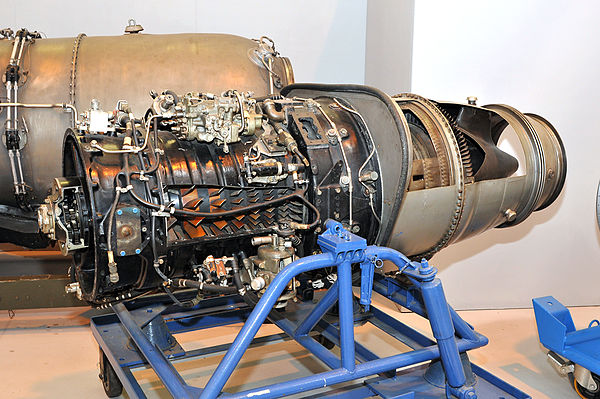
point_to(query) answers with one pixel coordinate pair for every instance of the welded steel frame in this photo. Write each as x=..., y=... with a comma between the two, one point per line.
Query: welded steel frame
x=423, y=296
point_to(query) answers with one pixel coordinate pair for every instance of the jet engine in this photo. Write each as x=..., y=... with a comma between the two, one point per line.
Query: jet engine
x=220, y=191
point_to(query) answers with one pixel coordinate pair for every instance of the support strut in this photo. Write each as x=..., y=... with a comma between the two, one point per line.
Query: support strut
x=341, y=249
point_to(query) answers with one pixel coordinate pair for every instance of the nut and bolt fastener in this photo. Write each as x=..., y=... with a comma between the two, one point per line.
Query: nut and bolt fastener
x=126, y=231
x=510, y=215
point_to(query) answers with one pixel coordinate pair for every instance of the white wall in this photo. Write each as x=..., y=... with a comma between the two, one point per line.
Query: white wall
x=540, y=57
x=388, y=59
x=324, y=39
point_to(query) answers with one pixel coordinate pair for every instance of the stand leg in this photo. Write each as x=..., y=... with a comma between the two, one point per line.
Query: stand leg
x=443, y=330
x=346, y=316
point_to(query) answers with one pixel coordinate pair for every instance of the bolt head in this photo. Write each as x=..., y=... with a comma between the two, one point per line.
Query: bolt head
x=510, y=215
x=126, y=231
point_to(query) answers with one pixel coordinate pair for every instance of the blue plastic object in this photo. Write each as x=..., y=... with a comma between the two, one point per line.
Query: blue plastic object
x=557, y=333
x=300, y=322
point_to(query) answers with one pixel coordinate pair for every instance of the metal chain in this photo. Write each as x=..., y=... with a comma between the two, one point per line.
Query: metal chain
x=72, y=81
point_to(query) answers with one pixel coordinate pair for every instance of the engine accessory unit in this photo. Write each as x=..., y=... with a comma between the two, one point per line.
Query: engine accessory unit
x=204, y=175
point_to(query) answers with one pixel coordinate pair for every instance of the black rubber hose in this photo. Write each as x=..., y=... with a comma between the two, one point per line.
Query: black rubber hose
x=237, y=280
x=205, y=288
x=111, y=217
x=206, y=275
x=247, y=263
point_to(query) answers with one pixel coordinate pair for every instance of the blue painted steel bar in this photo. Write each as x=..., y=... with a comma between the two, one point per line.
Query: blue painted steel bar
x=400, y=297
x=497, y=382
x=338, y=376
x=322, y=307
x=332, y=333
x=129, y=382
x=344, y=272
x=399, y=330
x=463, y=329
x=341, y=249
x=311, y=344
x=367, y=270
x=132, y=387
x=257, y=317
x=163, y=368
x=195, y=323
x=211, y=350
x=443, y=331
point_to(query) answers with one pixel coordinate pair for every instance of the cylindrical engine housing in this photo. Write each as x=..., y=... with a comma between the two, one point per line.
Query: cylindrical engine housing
x=77, y=70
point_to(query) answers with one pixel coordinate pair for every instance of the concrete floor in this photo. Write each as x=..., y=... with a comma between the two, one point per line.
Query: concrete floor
x=51, y=353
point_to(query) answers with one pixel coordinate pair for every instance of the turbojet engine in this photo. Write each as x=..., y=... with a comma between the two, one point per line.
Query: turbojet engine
x=219, y=192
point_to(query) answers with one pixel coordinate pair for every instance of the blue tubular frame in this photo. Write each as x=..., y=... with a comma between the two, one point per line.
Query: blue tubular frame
x=341, y=249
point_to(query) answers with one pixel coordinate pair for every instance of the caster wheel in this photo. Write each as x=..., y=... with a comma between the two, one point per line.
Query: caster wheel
x=325, y=342
x=110, y=381
x=585, y=393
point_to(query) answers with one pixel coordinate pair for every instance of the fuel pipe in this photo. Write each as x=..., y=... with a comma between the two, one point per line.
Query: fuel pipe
x=12, y=139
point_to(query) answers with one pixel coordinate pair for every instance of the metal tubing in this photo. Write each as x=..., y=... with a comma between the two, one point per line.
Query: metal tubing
x=12, y=104
x=329, y=378
x=443, y=331
x=344, y=272
x=396, y=257
x=333, y=334
x=441, y=325
x=163, y=368
x=257, y=317
x=310, y=343
x=463, y=329
x=385, y=253
x=318, y=311
x=346, y=369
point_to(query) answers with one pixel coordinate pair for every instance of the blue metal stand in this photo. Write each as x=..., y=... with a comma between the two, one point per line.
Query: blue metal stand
x=341, y=249
x=558, y=334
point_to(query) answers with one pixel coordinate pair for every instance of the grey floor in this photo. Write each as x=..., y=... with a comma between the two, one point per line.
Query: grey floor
x=51, y=353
